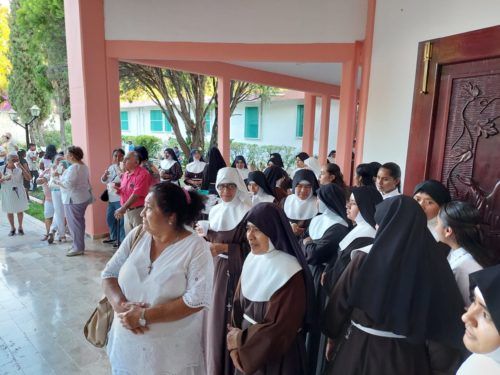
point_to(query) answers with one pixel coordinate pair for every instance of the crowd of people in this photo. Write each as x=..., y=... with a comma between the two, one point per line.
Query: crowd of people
x=227, y=270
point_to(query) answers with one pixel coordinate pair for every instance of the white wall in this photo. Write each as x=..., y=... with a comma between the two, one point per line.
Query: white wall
x=399, y=26
x=277, y=122
x=257, y=21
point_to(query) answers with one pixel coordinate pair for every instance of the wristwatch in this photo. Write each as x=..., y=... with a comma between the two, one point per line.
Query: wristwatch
x=142, y=319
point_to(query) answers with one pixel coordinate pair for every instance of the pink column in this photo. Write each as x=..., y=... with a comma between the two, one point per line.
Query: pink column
x=309, y=117
x=324, y=129
x=94, y=93
x=347, y=118
x=224, y=116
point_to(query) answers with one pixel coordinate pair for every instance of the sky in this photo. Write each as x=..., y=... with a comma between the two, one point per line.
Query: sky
x=5, y=2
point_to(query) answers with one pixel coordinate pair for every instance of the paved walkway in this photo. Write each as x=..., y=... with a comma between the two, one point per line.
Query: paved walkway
x=45, y=299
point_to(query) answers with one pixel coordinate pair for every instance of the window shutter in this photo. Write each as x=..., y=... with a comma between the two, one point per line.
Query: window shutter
x=168, y=125
x=252, y=122
x=299, y=128
x=156, y=120
x=124, y=120
x=208, y=124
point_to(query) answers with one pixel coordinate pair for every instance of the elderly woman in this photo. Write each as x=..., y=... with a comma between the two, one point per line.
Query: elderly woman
x=301, y=206
x=14, y=198
x=76, y=196
x=482, y=324
x=158, y=282
x=170, y=167
x=259, y=188
x=226, y=233
x=271, y=308
x=194, y=170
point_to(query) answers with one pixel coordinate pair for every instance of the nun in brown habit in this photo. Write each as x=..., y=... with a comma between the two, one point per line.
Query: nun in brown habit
x=273, y=302
x=226, y=232
x=392, y=297
x=301, y=206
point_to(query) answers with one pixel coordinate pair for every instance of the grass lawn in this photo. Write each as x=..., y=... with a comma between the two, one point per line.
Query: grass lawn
x=38, y=193
x=36, y=210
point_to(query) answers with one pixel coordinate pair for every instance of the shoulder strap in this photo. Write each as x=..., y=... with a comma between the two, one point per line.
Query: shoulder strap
x=137, y=237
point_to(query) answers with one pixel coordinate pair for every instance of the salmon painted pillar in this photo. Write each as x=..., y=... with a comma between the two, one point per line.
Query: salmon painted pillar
x=347, y=119
x=224, y=116
x=324, y=129
x=94, y=97
x=365, y=80
x=309, y=118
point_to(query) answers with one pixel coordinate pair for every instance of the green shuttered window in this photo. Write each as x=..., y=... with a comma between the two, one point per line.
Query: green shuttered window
x=158, y=122
x=299, y=127
x=208, y=124
x=124, y=120
x=252, y=122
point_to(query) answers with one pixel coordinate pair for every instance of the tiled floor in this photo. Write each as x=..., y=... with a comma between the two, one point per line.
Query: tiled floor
x=45, y=299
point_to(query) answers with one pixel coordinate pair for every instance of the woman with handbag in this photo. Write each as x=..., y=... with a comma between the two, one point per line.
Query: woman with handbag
x=113, y=175
x=158, y=286
x=76, y=196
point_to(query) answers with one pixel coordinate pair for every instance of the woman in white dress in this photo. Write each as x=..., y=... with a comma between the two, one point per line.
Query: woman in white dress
x=458, y=227
x=14, y=198
x=59, y=221
x=159, y=288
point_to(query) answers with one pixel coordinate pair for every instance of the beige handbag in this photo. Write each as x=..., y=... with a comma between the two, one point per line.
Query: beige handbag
x=97, y=327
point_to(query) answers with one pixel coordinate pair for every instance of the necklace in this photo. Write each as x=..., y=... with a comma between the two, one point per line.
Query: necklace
x=150, y=267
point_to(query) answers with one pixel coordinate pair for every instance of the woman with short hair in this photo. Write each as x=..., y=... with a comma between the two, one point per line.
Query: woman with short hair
x=76, y=196
x=158, y=283
x=14, y=198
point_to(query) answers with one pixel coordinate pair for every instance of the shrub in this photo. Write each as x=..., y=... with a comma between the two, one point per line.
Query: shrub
x=152, y=143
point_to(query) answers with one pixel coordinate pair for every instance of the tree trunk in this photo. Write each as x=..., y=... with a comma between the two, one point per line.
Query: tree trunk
x=60, y=114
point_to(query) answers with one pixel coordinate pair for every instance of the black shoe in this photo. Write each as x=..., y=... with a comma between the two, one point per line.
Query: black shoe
x=116, y=245
x=108, y=241
x=12, y=233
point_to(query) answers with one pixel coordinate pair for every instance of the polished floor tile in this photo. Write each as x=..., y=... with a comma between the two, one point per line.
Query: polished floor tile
x=45, y=299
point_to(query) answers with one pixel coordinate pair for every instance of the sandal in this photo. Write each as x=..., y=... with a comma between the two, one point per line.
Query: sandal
x=50, y=237
x=44, y=238
x=20, y=231
x=12, y=233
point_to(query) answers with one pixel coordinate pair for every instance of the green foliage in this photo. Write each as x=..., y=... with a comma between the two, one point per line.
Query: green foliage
x=258, y=155
x=4, y=47
x=36, y=210
x=152, y=143
x=28, y=84
x=53, y=137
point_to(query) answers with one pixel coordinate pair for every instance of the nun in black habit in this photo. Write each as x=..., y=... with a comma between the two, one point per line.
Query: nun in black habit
x=272, y=307
x=259, y=188
x=241, y=166
x=363, y=200
x=392, y=298
x=278, y=180
x=301, y=206
x=275, y=159
x=320, y=248
x=215, y=162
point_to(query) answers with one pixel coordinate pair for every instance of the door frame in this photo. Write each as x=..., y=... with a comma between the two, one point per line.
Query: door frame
x=469, y=46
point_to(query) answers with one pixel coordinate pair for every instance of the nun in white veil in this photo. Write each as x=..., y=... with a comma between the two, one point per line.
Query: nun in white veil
x=227, y=235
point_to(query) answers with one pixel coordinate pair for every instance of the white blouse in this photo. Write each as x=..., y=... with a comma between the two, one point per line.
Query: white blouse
x=184, y=269
x=75, y=186
x=462, y=264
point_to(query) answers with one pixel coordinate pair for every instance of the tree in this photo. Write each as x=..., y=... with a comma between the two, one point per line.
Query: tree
x=27, y=81
x=4, y=47
x=187, y=95
x=45, y=19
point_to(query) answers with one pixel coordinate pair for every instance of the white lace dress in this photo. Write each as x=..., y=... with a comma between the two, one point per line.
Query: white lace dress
x=184, y=269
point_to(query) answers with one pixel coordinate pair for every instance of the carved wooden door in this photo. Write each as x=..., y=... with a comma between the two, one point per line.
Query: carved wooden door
x=456, y=125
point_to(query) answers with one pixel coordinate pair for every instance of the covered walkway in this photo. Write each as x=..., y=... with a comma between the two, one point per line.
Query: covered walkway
x=45, y=298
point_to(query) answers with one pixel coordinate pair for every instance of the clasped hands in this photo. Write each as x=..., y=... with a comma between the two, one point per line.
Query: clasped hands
x=129, y=314
x=232, y=345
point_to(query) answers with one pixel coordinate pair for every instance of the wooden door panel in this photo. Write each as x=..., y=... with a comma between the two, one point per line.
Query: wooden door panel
x=454, y=132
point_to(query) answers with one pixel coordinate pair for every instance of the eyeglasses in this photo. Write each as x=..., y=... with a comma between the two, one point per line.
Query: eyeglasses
x=226, y=186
